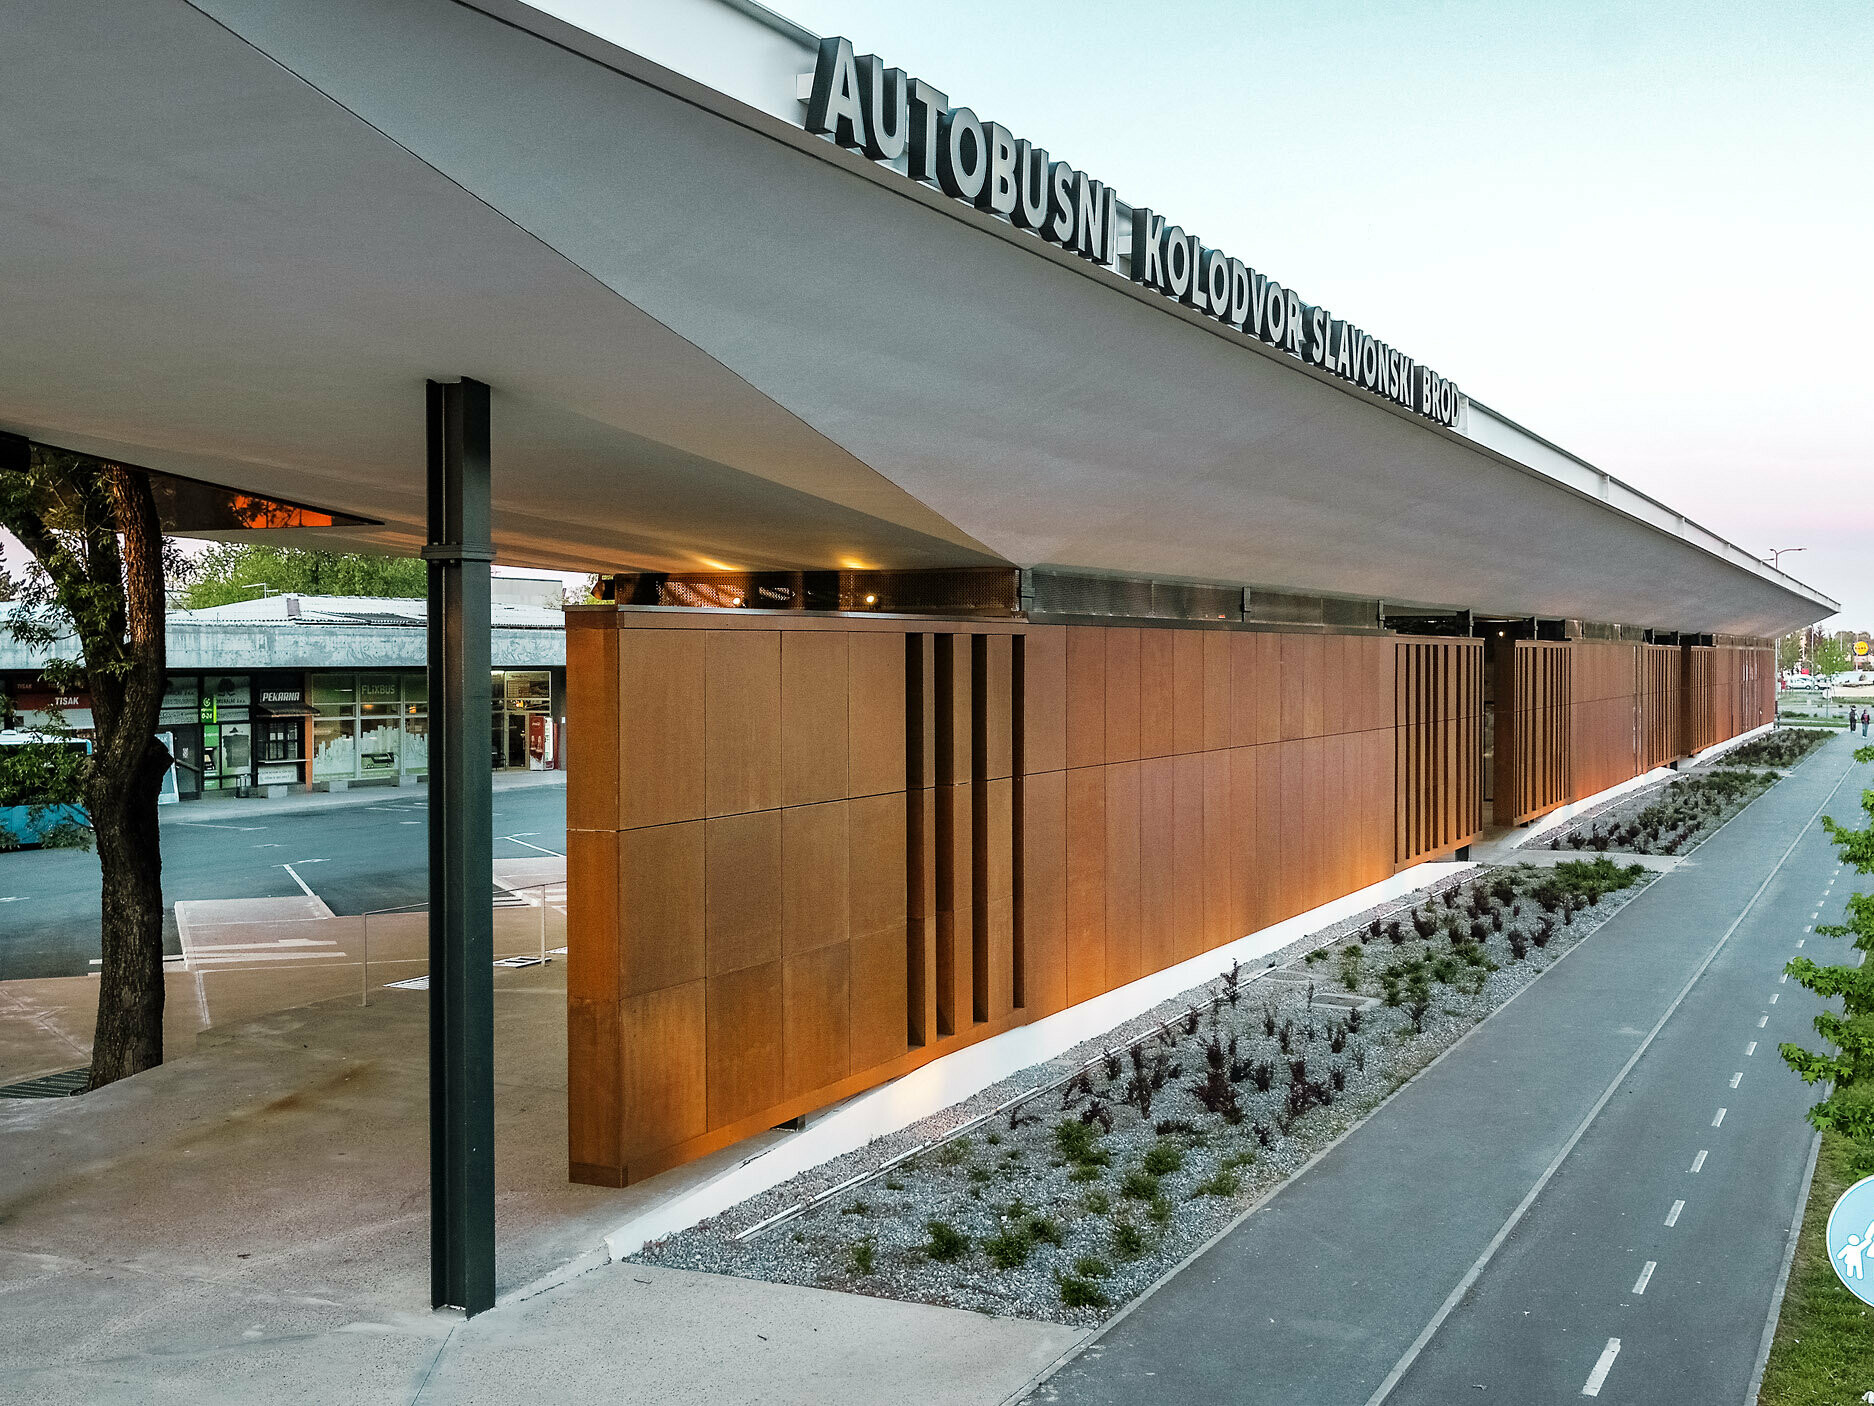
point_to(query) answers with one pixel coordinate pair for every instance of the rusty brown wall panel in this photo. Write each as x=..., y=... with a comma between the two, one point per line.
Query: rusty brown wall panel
x=1158, y=873
x=742, y=707
x=1219, y=680
x=660, y=907
x=1187, y=692
x=1122, y=694
x=1086, y=696
x=875, y=714
x=995, y=691
x=1122, y=874
x=592, y=972
x=593, y=722
x=1188, y=855
x=1086, y=883
x=1219, y=836
x=816, y=1013
x=661, y=695
x=995, y=939
x=1044, y=699
x=1158, y=729
x=815, y=696
x=1043, y=896
x=664, y=1095
x=1438, y=747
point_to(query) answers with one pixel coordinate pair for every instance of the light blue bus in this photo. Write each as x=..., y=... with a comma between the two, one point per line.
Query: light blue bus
x=31, y=824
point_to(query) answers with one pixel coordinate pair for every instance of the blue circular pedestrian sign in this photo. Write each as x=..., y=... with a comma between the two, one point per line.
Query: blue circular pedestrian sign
x=1851, y=1239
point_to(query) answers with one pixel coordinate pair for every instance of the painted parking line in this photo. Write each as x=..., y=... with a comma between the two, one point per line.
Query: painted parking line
x=1672, y=1216
x=1639, y=1285
x=1699, y=1160
x=1592, y=1387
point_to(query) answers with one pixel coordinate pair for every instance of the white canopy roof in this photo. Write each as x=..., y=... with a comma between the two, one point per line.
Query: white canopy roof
x=238, y=236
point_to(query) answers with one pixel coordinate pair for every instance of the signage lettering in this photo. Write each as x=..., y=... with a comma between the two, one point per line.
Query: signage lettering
x=859, y=103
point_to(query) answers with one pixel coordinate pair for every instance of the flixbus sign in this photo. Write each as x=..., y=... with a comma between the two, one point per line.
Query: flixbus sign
x=859, y=103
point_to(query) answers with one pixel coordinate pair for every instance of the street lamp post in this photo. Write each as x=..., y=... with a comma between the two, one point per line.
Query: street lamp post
x=1776, y=555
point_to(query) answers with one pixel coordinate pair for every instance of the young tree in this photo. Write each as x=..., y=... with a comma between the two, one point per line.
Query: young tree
x=237, y=571
x=1849, y=1071
x=1788, y=652
x=95, y=540
x=1830, y=656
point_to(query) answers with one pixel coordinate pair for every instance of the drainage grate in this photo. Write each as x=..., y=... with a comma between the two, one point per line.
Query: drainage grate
x=66, y=1085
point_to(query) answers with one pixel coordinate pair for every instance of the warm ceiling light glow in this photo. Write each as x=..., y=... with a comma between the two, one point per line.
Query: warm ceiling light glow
x=871, y=600
x=853, y=564
x=715, y=565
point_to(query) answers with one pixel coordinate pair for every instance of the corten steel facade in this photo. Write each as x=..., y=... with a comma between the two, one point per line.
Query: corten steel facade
x=808, y=853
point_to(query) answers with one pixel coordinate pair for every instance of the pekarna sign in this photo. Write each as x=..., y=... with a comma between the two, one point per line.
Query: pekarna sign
x=859, y=103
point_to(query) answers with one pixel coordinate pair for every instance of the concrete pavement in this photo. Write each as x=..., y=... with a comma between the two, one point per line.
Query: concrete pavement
x=249, y=1222
x=1335, y=1290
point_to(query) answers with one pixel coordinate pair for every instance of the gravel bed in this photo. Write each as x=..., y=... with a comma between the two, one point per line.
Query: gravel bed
x=1678, y=814
x=1067, y=1226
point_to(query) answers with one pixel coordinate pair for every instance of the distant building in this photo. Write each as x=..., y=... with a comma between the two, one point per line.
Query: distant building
x=321, y=692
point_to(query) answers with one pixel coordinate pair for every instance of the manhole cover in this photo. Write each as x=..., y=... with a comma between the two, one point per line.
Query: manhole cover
x=66, y=1085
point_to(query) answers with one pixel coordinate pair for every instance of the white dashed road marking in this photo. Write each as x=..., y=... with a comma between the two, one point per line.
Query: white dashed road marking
x=1672, y=1216
x=1750, y=1049
x=1762, y=1021
x=1639, y=1285
x=1699, y=1160
x=1737, y=1078
x=1601, y=1368
x=1717, y=1119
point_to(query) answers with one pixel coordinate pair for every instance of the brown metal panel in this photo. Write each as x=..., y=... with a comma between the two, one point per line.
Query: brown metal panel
x=1086, y=695
x=816, y=1005
x=1188, y=856
x=744, y=1024
x=663, y=1091
x=660, y=680
x=1297, y=843
x=1187, y=691
x=1042, y=896
x=660, y=904
x=742, y=891
x=592, y=720
x=814, y=696
x=877, y=870
x=921, y=903
x=1122, y=694
x=1086, y=883
x=594, y=1092
x=1122, y=873
x=815, y=876
x=878, y=997
x=995, y=938
x=955, y=708
x=1294, y=674
x=592, y=969
x=956, y=907
x=1157, y=862
x=1245, y=911
x=1219, y=838
x=1219, y=690
x=1158, y=723
x=921, y=700
x=742, y=706
x=875, y=714
x=995, y=688
x=1044, y=699
x=1271, y=829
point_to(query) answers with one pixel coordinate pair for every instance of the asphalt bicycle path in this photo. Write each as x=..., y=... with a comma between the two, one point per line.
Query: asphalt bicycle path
x=1485, y=1235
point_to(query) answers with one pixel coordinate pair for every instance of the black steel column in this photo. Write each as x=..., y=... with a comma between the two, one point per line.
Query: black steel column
x=461, y=855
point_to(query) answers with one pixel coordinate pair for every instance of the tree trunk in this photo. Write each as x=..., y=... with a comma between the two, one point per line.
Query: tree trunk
x=129, y=1035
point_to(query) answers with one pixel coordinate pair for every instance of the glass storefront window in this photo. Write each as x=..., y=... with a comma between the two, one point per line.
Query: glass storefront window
x=334, y=695
x=334, y=748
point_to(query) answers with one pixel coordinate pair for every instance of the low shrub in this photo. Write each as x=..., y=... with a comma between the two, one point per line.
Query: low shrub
x=1162, y=1158
x=1092, y=1267
x=1139, y=1185
x=947, y=1243
x=862, y=1253
x=1129, y=1240
x=1081, y=1293
x=1224, y=1182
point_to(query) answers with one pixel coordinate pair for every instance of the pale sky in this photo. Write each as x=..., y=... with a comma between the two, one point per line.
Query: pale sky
x=1640, y=230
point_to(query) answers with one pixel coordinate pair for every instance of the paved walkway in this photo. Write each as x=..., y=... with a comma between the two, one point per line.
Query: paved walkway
x=249, y=1223
x=1338, y=1290
x=225, y=805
